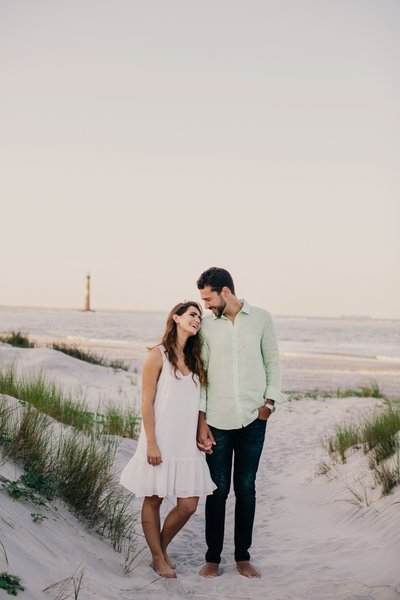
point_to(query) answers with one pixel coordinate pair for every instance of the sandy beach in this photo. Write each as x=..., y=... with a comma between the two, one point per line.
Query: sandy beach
x=240, y=159
x=312, y=540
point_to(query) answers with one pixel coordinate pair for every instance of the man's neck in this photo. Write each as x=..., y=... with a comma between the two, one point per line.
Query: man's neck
x=234, y=307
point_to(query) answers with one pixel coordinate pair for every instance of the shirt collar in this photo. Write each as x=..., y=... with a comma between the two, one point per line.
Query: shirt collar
x=246, y=308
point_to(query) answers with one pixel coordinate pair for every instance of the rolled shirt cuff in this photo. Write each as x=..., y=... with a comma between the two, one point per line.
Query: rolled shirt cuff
x=273, y=393
x=203, y=404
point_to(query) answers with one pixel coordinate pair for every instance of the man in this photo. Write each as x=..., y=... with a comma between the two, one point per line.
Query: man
x=242, y=363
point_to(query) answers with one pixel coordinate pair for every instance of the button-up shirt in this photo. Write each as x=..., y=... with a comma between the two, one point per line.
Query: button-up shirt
x=242, y=363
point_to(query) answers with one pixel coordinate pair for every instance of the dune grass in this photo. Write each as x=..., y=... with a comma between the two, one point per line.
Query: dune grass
x=67, y=464
x=369, y=389
x=21, y=340
x=18, y=339
x=378, y=433
x=69, y=587
x=379, y=437
x=88, y=356
x=346, y=436
x=381, y=431
x=388, y=476
x=48, y=398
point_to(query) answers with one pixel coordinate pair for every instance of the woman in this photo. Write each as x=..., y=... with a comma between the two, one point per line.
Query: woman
x=167, y=461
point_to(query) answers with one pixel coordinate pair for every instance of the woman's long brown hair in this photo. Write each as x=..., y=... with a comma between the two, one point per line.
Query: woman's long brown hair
x=192, y=349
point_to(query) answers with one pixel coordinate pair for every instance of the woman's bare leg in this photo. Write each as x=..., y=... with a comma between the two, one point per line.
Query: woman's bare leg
x=175, y=520
x=151, y=530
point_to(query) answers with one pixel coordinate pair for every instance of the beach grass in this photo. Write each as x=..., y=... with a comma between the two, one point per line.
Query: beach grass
x=65, y=463
x=379, y=437
x=69, y=587
x=346, y=436
x=88, y=356
x=117, y=422
x=28, y=440
x=388, y=475
x=49, y=398
x=18, y=339
x=381, y=431
x=369, y=389
x=21, y=340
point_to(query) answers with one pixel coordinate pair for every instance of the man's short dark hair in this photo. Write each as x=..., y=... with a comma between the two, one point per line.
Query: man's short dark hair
x=216, y=279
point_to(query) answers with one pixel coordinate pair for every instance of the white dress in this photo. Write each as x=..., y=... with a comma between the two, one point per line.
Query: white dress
x=184, y=471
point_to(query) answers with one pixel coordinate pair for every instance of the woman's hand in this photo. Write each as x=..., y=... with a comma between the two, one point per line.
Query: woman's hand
x=205, y=439
x=153, y=454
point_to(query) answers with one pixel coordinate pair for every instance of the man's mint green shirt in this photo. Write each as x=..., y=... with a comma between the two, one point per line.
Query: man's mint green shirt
x=242, y=364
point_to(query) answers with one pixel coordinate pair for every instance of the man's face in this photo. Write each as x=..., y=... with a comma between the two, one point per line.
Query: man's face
x=213, y=301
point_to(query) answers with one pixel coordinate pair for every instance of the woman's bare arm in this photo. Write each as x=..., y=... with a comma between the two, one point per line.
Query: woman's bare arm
x=151, y=371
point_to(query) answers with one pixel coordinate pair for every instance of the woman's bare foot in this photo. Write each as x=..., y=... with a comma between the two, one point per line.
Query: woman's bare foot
x=163, y=569
x=209, y=570
x=168, y=560
x=246, y=569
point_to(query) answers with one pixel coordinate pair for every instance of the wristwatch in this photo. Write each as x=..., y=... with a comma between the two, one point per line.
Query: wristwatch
x=271, y=407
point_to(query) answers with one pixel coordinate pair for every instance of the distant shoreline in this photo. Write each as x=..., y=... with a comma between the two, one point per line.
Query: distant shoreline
x=165, y=311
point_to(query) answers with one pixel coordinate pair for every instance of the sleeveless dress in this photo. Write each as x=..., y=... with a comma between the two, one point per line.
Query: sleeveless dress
x=184, y=471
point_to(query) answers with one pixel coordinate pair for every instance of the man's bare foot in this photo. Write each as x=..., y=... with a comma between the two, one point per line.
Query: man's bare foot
x=163, y=569
x=246, y=569
x=209, y=570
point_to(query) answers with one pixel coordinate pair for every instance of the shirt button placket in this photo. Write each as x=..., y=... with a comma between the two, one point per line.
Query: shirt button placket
x=238, y=408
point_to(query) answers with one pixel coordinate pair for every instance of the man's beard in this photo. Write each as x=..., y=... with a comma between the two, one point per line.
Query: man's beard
x=220, y=310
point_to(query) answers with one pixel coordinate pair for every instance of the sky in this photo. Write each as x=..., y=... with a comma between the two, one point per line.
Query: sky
x=145, y=141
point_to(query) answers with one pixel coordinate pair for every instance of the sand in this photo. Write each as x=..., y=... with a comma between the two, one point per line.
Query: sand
x=312, y=539
x=305, y=372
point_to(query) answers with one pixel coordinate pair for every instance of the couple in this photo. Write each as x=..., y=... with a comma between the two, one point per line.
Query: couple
x=222, y=384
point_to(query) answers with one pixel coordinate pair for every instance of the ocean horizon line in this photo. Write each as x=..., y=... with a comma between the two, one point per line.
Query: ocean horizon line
x=343, y=317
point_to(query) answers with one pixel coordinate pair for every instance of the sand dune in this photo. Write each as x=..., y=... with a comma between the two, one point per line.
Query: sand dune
x=94, y=383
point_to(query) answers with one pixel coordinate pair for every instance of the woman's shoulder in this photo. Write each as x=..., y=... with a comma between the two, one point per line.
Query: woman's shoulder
x=155, y=357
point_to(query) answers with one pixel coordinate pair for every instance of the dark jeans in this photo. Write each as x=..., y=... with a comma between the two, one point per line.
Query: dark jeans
x=245, y=445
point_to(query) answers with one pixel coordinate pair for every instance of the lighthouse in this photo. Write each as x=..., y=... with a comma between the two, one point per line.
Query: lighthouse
x=86, y=300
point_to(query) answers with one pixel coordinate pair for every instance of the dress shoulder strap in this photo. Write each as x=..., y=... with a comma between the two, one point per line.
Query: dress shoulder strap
x=162, y=350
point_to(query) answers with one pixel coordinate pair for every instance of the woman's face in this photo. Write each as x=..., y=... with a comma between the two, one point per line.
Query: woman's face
x=190, y=321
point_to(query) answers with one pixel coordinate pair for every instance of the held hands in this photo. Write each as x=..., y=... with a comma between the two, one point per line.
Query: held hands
x=205, y=439
x=153, y=454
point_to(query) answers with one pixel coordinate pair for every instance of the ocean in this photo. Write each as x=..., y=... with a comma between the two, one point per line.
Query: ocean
x=359, y=337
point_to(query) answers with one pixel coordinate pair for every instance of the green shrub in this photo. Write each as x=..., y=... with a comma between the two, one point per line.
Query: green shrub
x=18, y=490
x=10, y=583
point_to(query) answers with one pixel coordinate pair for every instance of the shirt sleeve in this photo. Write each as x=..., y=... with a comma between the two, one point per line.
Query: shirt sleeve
x=203, y=392
x=270, y=353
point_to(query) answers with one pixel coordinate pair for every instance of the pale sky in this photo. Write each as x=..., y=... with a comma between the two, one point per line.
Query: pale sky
x=146, y=141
